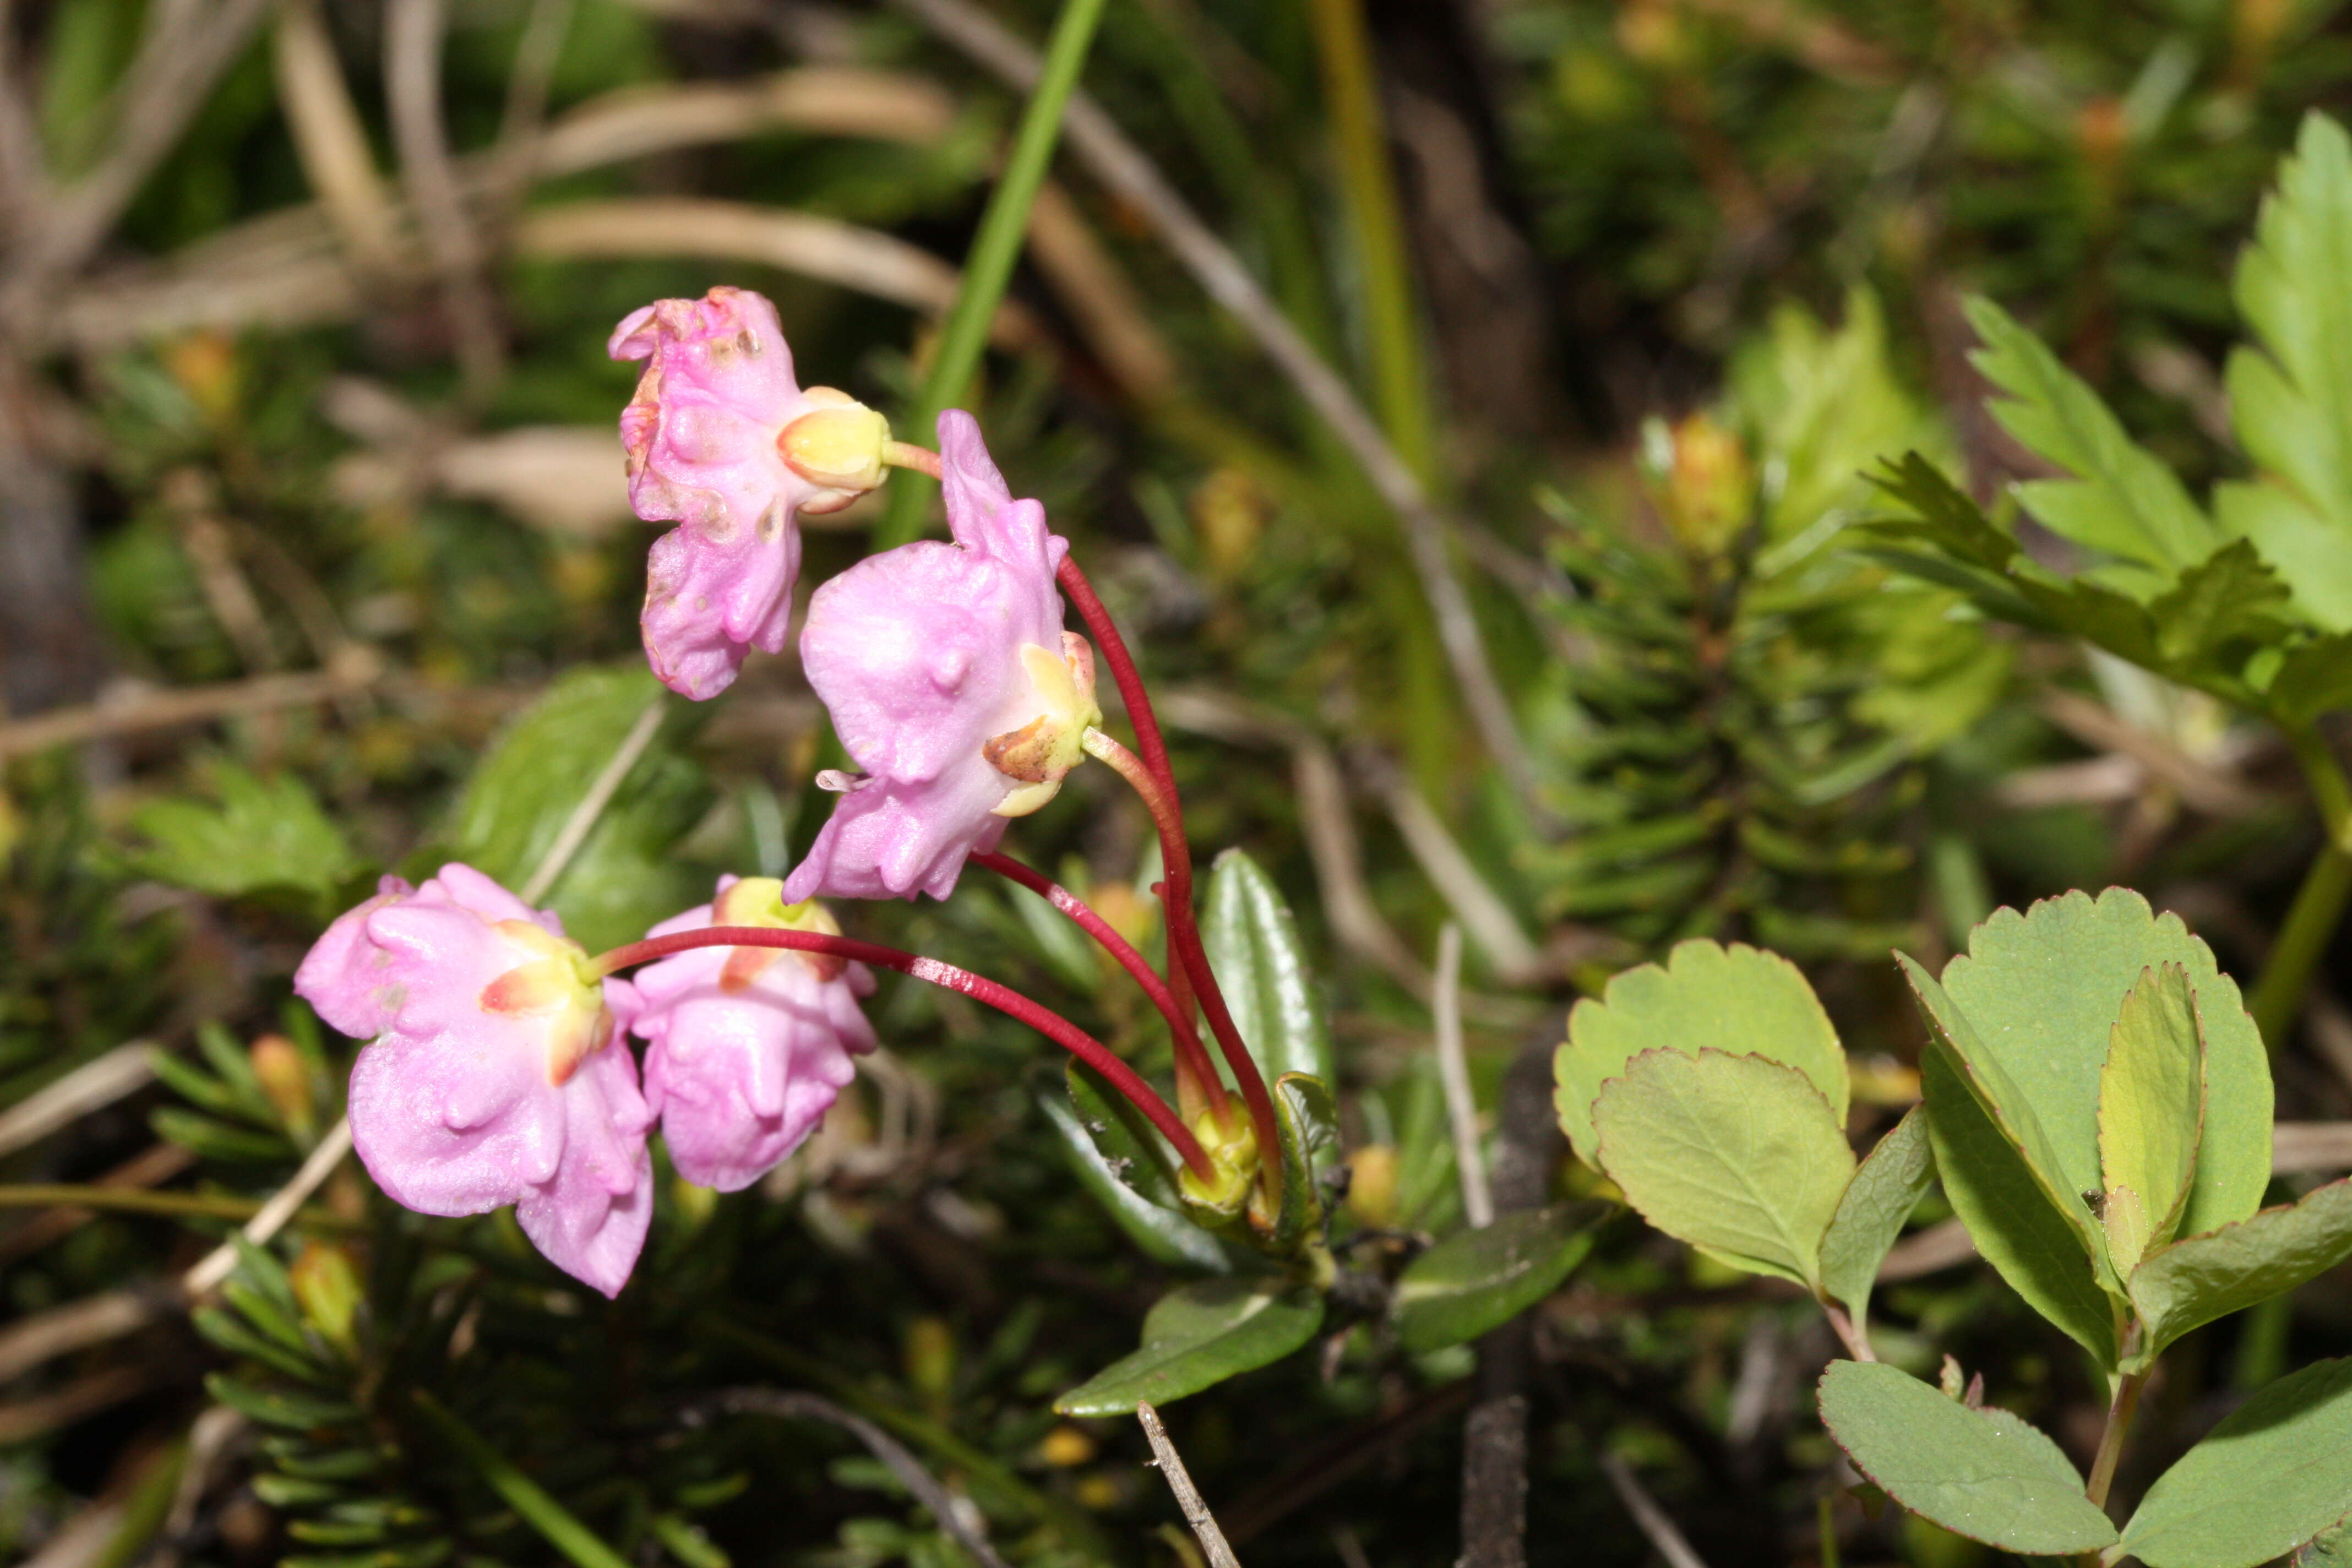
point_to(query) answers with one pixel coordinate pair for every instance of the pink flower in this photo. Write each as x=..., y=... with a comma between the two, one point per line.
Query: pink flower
x=747, y=1046
x=951, y=683
x=493, y=1077
x=723, y=441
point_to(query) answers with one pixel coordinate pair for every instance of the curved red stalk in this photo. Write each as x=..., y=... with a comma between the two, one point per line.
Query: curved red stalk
x=1196, y=1078
x=1005, y=1000
x=1186, y=956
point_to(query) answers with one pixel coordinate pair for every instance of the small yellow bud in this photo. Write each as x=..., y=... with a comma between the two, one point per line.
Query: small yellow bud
x=1066, y=1448
x=1709, y=484
x=327, y=1284
x=1373, y=1195
x=286, y=1078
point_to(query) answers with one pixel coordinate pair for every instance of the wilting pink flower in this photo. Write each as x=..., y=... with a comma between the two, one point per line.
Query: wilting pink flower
x=493, y=1077
x=723, y=441
x=951, y=683
x=747, y=1046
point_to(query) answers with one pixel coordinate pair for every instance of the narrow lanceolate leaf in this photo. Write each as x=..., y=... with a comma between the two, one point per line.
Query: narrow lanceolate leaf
x=1163, y=1235
x=2290, y=398
x=1199, y=1336
x=1983, y=1473
x=1261, y=965
x=2120, y=498
x=1733, y=999
x=2273, y=1475
x=2041, y=989
x=1976, y=1068
x=1885, y=1189
x=2151, y=1113
x=2008, y=1213
x=1735, y=1154
x=2201, y=1278
x=1475, y=1280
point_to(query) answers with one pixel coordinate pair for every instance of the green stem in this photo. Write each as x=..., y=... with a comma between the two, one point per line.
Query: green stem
x=2111, y=1441
x=1367, y=184
x=2318, y=906
x=525, y=1495
x=988, y=266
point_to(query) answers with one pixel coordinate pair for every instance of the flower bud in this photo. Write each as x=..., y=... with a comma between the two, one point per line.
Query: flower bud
x=285, y=1077
x=327, y=1286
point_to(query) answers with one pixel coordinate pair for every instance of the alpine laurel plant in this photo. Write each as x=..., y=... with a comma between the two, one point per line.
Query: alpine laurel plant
x=2097, y=1107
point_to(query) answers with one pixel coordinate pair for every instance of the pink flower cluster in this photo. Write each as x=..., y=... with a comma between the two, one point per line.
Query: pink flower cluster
x=498, y=1072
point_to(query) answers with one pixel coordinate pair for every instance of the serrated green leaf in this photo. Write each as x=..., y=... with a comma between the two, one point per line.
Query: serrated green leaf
x=1165, y=1234
x=1735, y=1154
x=1983, y=1473
x=1886, y=1186
x=262, y=834
x=1199, y=1336
x=1737, y=1000
x=2041, y=989
x=2201, y=1278
x=623, y=877
x=1262, y=967
x=2291, y=397
x=2120, y=499
x=2008, y=1213
x=1984, y=1075
x=2231, y=601
x=2331, y=1548
x=2151, y=1114
x=1475, y=1280
x=2273, y=1474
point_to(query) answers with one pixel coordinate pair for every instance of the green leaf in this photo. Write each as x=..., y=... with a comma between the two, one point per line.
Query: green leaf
x=1982, y=1073
x=279, y=1407
x=1735, y=1154
x=264, y=833
x=2151, y=1113
x=1737, y=1000
x=2331, y=1548
x=1164, y=1235
x=2201, y=1278
x=2268, y=1479
x=2222, y=608
x=2017, y=1226
x=1199, y=1336
x=1475, y=1280
x=624, y=876
x=210, y=1140
x=2041, y=989
x=1262, y=967
x=2290, y=398
x=2121, y=499
x=1136, y=1153
x=1885, y=1189
x=1983, y=1473
x=1307, y=1123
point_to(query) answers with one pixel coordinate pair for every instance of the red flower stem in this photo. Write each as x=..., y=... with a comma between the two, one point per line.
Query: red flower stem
x=1185, y=954
x=1185, y=949
x=1198, y=1087
x=1112, y=647
x=1005, y=1000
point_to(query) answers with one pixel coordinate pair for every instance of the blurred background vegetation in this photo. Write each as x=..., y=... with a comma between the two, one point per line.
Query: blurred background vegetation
x=315, y=561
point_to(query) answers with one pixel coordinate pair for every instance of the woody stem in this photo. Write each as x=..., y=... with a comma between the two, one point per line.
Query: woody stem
x=1184, y=948
x=1198, y=1087
x=981, y=989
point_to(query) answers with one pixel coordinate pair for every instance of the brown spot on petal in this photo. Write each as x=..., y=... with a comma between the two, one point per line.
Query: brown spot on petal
x=1026, y=753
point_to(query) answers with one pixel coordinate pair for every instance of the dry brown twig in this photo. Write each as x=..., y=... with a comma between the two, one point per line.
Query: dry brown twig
x=1188, y=1496
x=412, y=85
x=1648, y=1517
x=332, y=140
